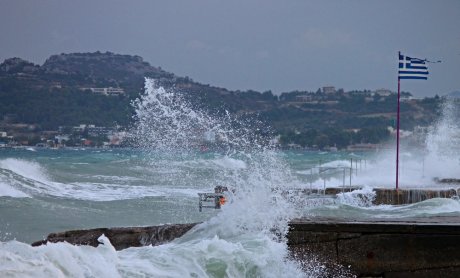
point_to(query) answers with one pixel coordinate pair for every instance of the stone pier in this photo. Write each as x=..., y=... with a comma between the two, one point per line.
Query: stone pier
x=390, y=196
x=415, y=247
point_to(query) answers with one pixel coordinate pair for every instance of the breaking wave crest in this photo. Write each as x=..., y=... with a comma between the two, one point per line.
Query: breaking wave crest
x=22, y=178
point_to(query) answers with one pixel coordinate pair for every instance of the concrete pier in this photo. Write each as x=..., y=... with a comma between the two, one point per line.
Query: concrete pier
x=410, y=196
x=390, y=196
x=415, y=247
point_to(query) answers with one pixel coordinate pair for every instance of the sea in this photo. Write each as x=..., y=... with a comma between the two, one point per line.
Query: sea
x=157, y=180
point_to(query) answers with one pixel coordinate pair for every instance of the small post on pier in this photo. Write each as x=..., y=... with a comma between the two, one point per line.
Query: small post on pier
x=351, y=164
x=423, y=165
x=324, y=186
x=351, y=172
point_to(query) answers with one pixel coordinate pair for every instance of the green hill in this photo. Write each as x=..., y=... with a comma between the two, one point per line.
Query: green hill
x=61, y=92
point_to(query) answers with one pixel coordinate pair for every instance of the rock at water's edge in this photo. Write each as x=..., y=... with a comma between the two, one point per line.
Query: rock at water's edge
x=121, y=238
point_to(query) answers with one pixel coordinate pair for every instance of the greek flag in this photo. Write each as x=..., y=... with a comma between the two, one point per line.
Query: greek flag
x=412, y=68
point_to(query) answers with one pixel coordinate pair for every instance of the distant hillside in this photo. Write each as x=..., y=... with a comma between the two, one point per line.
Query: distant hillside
x=55, y=93
x=97, y=88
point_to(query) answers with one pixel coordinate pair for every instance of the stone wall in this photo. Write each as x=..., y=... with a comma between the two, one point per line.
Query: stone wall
x=409, y=196
x=416, y=248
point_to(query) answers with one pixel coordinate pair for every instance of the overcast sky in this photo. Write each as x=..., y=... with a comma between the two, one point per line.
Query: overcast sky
x=247, y=44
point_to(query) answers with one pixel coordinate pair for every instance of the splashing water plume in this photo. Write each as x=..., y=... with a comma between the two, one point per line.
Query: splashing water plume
x=168, y=123
x=443, y=142
x=437, y=158
x=169, y=126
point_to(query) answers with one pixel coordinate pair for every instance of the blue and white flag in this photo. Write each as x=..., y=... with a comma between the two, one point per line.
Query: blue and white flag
x=412, y=68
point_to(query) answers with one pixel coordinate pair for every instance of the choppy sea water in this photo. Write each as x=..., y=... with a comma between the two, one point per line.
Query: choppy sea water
x=157, y=181
x=46, y=191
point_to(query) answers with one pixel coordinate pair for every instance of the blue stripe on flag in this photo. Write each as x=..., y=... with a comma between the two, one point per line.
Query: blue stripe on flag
x=412, y=72
x=414, y=77
x=411, y=66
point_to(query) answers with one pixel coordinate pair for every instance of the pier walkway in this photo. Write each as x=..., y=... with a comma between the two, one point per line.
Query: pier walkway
x=393, y=247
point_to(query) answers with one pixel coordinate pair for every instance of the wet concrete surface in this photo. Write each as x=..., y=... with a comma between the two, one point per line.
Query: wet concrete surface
x=409, y=247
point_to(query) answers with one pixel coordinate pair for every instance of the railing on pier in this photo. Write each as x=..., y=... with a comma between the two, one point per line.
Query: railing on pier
x=324, y=173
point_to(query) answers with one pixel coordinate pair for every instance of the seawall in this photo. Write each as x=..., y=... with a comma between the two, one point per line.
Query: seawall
x=389, y=196
x=416, y=247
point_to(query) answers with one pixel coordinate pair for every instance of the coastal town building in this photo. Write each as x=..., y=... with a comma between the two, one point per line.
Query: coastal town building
x=81, y=127
x=304, y=98
x=383, y=92
x=61, y=138
x=99, y=131
x=329, y=90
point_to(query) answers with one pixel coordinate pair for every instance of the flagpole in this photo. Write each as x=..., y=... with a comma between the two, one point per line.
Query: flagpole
x=397, y=133
x=409, y=68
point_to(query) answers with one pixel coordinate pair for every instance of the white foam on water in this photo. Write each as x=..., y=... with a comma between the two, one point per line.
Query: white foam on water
x=57, y=260
x=114, y=178
x=21, y=178
x=213, y=257
x=210, y=257
x=27, y=169
x=428, y=208
x=431, y=207
x=9, y=191
x=103, y=191
x=360, y=197
x=358, y=205
x=337, y=164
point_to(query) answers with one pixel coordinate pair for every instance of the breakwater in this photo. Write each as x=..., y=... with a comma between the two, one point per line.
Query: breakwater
x=416, y=247
x=387, y=196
